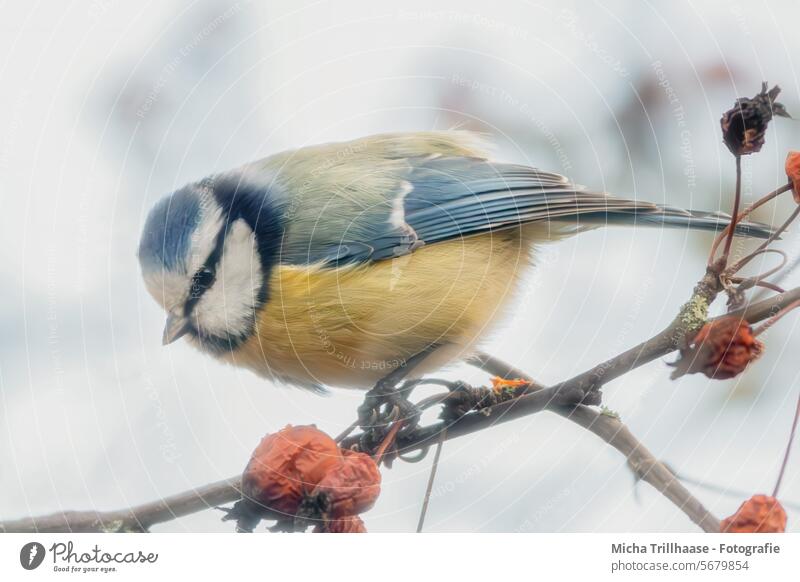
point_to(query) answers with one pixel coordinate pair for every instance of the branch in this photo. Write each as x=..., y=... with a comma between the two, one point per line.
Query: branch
x=640, y=460
x=643, y=463
x=134, y=519
x=768, y=307
x=557, y=399
x=674, y=336
x=690, y=318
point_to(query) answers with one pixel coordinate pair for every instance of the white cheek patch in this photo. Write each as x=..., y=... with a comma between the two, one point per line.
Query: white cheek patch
x=227, y=306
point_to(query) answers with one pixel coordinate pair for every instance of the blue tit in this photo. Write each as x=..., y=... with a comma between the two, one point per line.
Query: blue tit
x=334, y=265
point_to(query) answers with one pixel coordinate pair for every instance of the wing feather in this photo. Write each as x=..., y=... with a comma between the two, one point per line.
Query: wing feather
x=384, y=197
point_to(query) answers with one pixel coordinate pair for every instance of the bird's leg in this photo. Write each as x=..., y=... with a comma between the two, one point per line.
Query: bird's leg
x=385, y=402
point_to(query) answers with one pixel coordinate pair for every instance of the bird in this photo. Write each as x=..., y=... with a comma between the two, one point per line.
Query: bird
x=340, y=264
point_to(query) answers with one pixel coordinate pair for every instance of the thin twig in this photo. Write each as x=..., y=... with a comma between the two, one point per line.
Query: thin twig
x=729, y=491
x=788, y=449
x=737, y=200
x=775, y=318
x=763, y=200
x=760, y=276
x=346, y=432
x=787, y=270
x=763, y=246
x=431, y=478
x=769, y=286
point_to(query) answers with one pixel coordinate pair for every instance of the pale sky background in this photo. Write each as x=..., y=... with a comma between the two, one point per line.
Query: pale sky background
x=108, y=105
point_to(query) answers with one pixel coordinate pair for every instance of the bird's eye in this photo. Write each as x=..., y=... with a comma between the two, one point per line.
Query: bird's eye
x=203, y=278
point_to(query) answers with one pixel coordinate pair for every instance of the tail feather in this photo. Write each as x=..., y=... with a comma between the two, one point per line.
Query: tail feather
x=455, y=197
x=673, y=217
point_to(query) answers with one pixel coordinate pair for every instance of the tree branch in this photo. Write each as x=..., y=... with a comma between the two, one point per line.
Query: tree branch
x=766, y=308
x=646, y=466
x=560, y=399
x=135, y=519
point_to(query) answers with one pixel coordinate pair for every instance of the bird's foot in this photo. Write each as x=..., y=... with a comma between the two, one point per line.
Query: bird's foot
x=384, y=405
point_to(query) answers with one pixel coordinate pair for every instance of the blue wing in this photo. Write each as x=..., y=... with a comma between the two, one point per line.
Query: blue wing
x=440, y=198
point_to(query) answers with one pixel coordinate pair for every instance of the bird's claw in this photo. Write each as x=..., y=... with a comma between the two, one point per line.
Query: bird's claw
x=384, y=405
x=368, y=415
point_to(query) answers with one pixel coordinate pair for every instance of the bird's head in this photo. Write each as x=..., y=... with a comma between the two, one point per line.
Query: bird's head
x=206, y=252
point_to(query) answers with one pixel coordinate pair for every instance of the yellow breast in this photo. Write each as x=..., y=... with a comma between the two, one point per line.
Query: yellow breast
x=350, y=326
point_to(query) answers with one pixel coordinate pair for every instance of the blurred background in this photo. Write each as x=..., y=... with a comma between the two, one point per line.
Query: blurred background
x=108, y=105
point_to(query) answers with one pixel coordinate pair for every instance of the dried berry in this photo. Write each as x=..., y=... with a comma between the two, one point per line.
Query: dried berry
x=793, y=172
x=722, y=349
x=352, y=524
x=352, y=488
x=286, y=465
x=759, y=514
x=300, y=475
x=744, y=126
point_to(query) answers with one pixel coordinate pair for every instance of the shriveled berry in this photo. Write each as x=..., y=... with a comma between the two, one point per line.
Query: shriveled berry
x=759, y=514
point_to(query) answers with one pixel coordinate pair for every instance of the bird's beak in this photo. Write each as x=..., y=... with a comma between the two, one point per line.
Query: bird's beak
x=176, y=327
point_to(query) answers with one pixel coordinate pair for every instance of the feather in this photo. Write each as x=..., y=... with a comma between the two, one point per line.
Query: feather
x=385, y=196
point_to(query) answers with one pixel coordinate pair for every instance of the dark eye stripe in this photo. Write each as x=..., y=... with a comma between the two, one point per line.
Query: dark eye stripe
x=205, y=276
